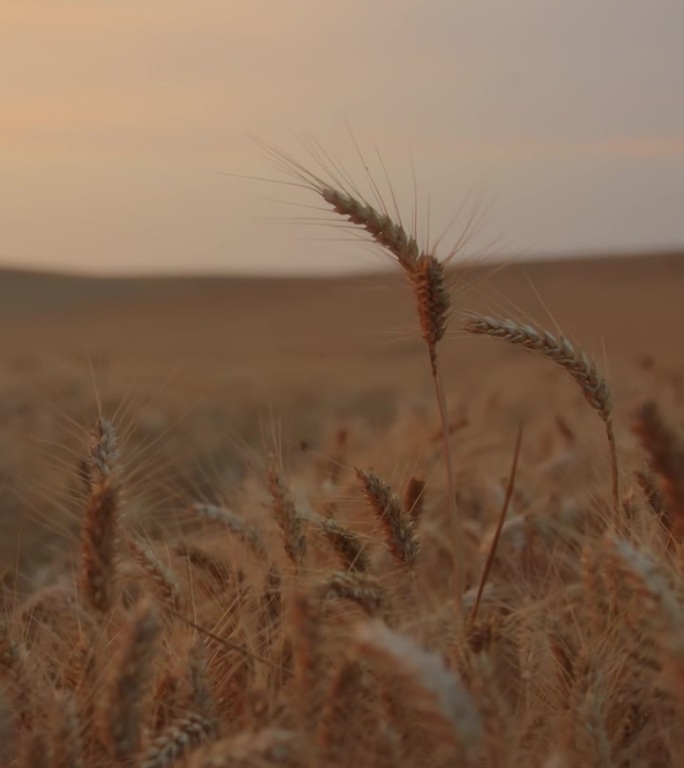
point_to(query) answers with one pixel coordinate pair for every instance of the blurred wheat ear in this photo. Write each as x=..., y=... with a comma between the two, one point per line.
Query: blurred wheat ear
x=98, y=547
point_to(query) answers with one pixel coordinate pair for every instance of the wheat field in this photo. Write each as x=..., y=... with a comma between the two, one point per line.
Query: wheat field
x=427, y=518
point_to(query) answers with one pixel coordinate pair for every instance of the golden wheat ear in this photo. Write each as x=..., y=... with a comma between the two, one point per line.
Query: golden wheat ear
x=386, y=233
x=424, y=271
x=567, y=356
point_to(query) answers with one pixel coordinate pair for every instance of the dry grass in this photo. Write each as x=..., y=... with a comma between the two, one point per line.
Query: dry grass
x=305, y=614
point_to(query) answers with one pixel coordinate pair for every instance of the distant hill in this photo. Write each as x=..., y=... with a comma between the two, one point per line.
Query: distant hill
x=39, y=291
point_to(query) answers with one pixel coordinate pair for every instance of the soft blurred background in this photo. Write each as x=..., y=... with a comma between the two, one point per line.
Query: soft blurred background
x=126, y=143
x=560, y=123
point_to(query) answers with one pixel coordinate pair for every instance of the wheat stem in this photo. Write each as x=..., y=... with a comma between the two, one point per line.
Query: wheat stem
x=571, y=359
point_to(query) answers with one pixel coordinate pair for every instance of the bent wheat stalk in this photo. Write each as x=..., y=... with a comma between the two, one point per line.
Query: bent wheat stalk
x=570, y=358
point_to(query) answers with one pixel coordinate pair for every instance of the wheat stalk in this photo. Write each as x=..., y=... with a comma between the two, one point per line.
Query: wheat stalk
x=435, y=692
x=177, y=741
x=287, y=518
x=99, y=545
x=666, y=452
x=161, y=577
x=233, y=522
x=356, y=587
x=341, y=703
x=309, y=662
x=427, y=278
x=424, y=271
x=347, y=544
x=379, y=226
x=67, y=749
x=100, y=524
x=497, y=533
x=123, y=702
x=397, y=525
x=570, y=358
x=267, y=747
x=104, y=459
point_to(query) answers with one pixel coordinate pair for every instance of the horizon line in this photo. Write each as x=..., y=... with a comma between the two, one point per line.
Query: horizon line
x=176, y=274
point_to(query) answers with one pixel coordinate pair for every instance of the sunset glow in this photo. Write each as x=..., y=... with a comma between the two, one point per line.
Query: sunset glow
x=126, y=126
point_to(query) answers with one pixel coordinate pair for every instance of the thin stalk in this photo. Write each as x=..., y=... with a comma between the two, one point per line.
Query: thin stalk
x=457, y=543
x=499, y=526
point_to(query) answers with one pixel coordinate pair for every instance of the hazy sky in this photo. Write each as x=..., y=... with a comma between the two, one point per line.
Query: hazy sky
x=563, y=118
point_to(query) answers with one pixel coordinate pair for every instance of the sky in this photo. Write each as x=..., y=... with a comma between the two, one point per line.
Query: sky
x=127, y=129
